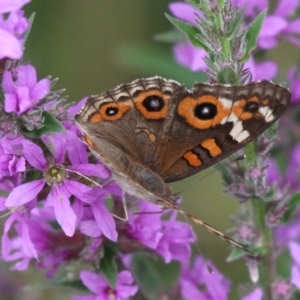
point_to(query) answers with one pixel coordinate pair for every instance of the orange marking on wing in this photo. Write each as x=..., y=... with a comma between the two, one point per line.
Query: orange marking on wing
x=239, y=106
x=95, y=118
x=122, y=107
x=186, y=108
x=192, y=159
x=265, y=102
x=238, y=110
x=212, y=147
x=88, y=141
x=151, y=136
x=153, y=115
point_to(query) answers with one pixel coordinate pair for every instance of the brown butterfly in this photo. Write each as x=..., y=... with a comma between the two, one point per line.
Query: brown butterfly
x=153, y=131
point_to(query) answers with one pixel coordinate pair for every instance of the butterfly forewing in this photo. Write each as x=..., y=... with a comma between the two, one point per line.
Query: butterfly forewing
x=174, y=132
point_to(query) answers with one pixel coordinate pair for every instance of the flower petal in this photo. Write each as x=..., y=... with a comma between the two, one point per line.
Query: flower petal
x=26, y=76
x=11, y=5
x=34, y=155
x=41, y=89
x=295, y=252
x=64, y=213
x=77, y=151
x=90, y=228
x=185, y=12
x=286, y=7
x=10, y=46
x=93, y=282
x=24, y=193
x=272, y=26
x=105, y=220
x=295, y=276
x=10, y=103
x=255, y=295
x=7, y=81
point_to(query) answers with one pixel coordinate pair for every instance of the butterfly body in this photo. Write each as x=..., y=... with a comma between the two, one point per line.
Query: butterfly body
x=153, y=131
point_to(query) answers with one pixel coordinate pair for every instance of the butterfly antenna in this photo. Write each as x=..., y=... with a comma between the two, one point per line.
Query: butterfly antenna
x=241, y=157
x=208, y=267
x=205, y=225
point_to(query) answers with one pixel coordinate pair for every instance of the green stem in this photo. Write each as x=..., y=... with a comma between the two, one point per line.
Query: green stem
x=267, y=269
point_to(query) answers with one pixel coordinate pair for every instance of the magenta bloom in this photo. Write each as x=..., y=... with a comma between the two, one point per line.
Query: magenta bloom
x=12, y=29
x=11, y=157
x=26, y=92
x=11, y=5
x=171, y=239
x=62, y=187
x=263, y=70
x=254, y=7
x=256, y=294
x=197, y=283
x=102, y=290
x=294, y=80
x=185, y=53
x=277, y=25
x=37, y=239
x=189, y=56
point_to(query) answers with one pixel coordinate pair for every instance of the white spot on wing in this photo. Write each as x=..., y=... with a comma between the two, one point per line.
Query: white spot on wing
x=267, y=113
x=242, y=136
x=237, y=129
x=238, y=133
x=227, y=103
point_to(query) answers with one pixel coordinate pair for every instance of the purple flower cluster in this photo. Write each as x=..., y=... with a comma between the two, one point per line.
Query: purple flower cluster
x=57, y=211
x=281, y=24
x=12, y=29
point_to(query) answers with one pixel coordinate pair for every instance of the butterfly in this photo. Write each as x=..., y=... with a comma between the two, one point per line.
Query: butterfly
x=153, y=131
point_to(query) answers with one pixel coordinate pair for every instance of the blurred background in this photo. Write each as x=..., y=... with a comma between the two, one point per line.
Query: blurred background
x=92, y=46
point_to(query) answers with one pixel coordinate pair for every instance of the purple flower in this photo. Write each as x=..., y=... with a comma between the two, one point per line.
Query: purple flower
x=185, y=12
x=189, y=56
x=102, y=290
x=11, y=5
x=278, y=25
x=185, y=53
x=26, y=92
x=275, y=26
x=36, y=239
x=294, y=80
x=263, y=70
x=198, y=283
x=12, y=30
x=171, y=239
x=61, y=187
x=254, y=7
x=293, y=170
x=11, y=159
x=193, y=58
x=256, y=294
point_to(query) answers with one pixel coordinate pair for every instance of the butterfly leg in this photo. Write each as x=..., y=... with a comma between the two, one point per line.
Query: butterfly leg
x=124, y=202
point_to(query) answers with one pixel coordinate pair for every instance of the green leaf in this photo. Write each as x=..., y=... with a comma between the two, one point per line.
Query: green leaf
x=51, y=124
x=236, y=253
x=252, y=35
x=283, y=264
x=235, y=24
x=30, y=22
x=77, y=284
x=108, y=266
x=293, y=203
x=148, y=278
x=227, y=76
x=192, y=32
x=297, y=295
x=171, y=36
x=250, y=152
